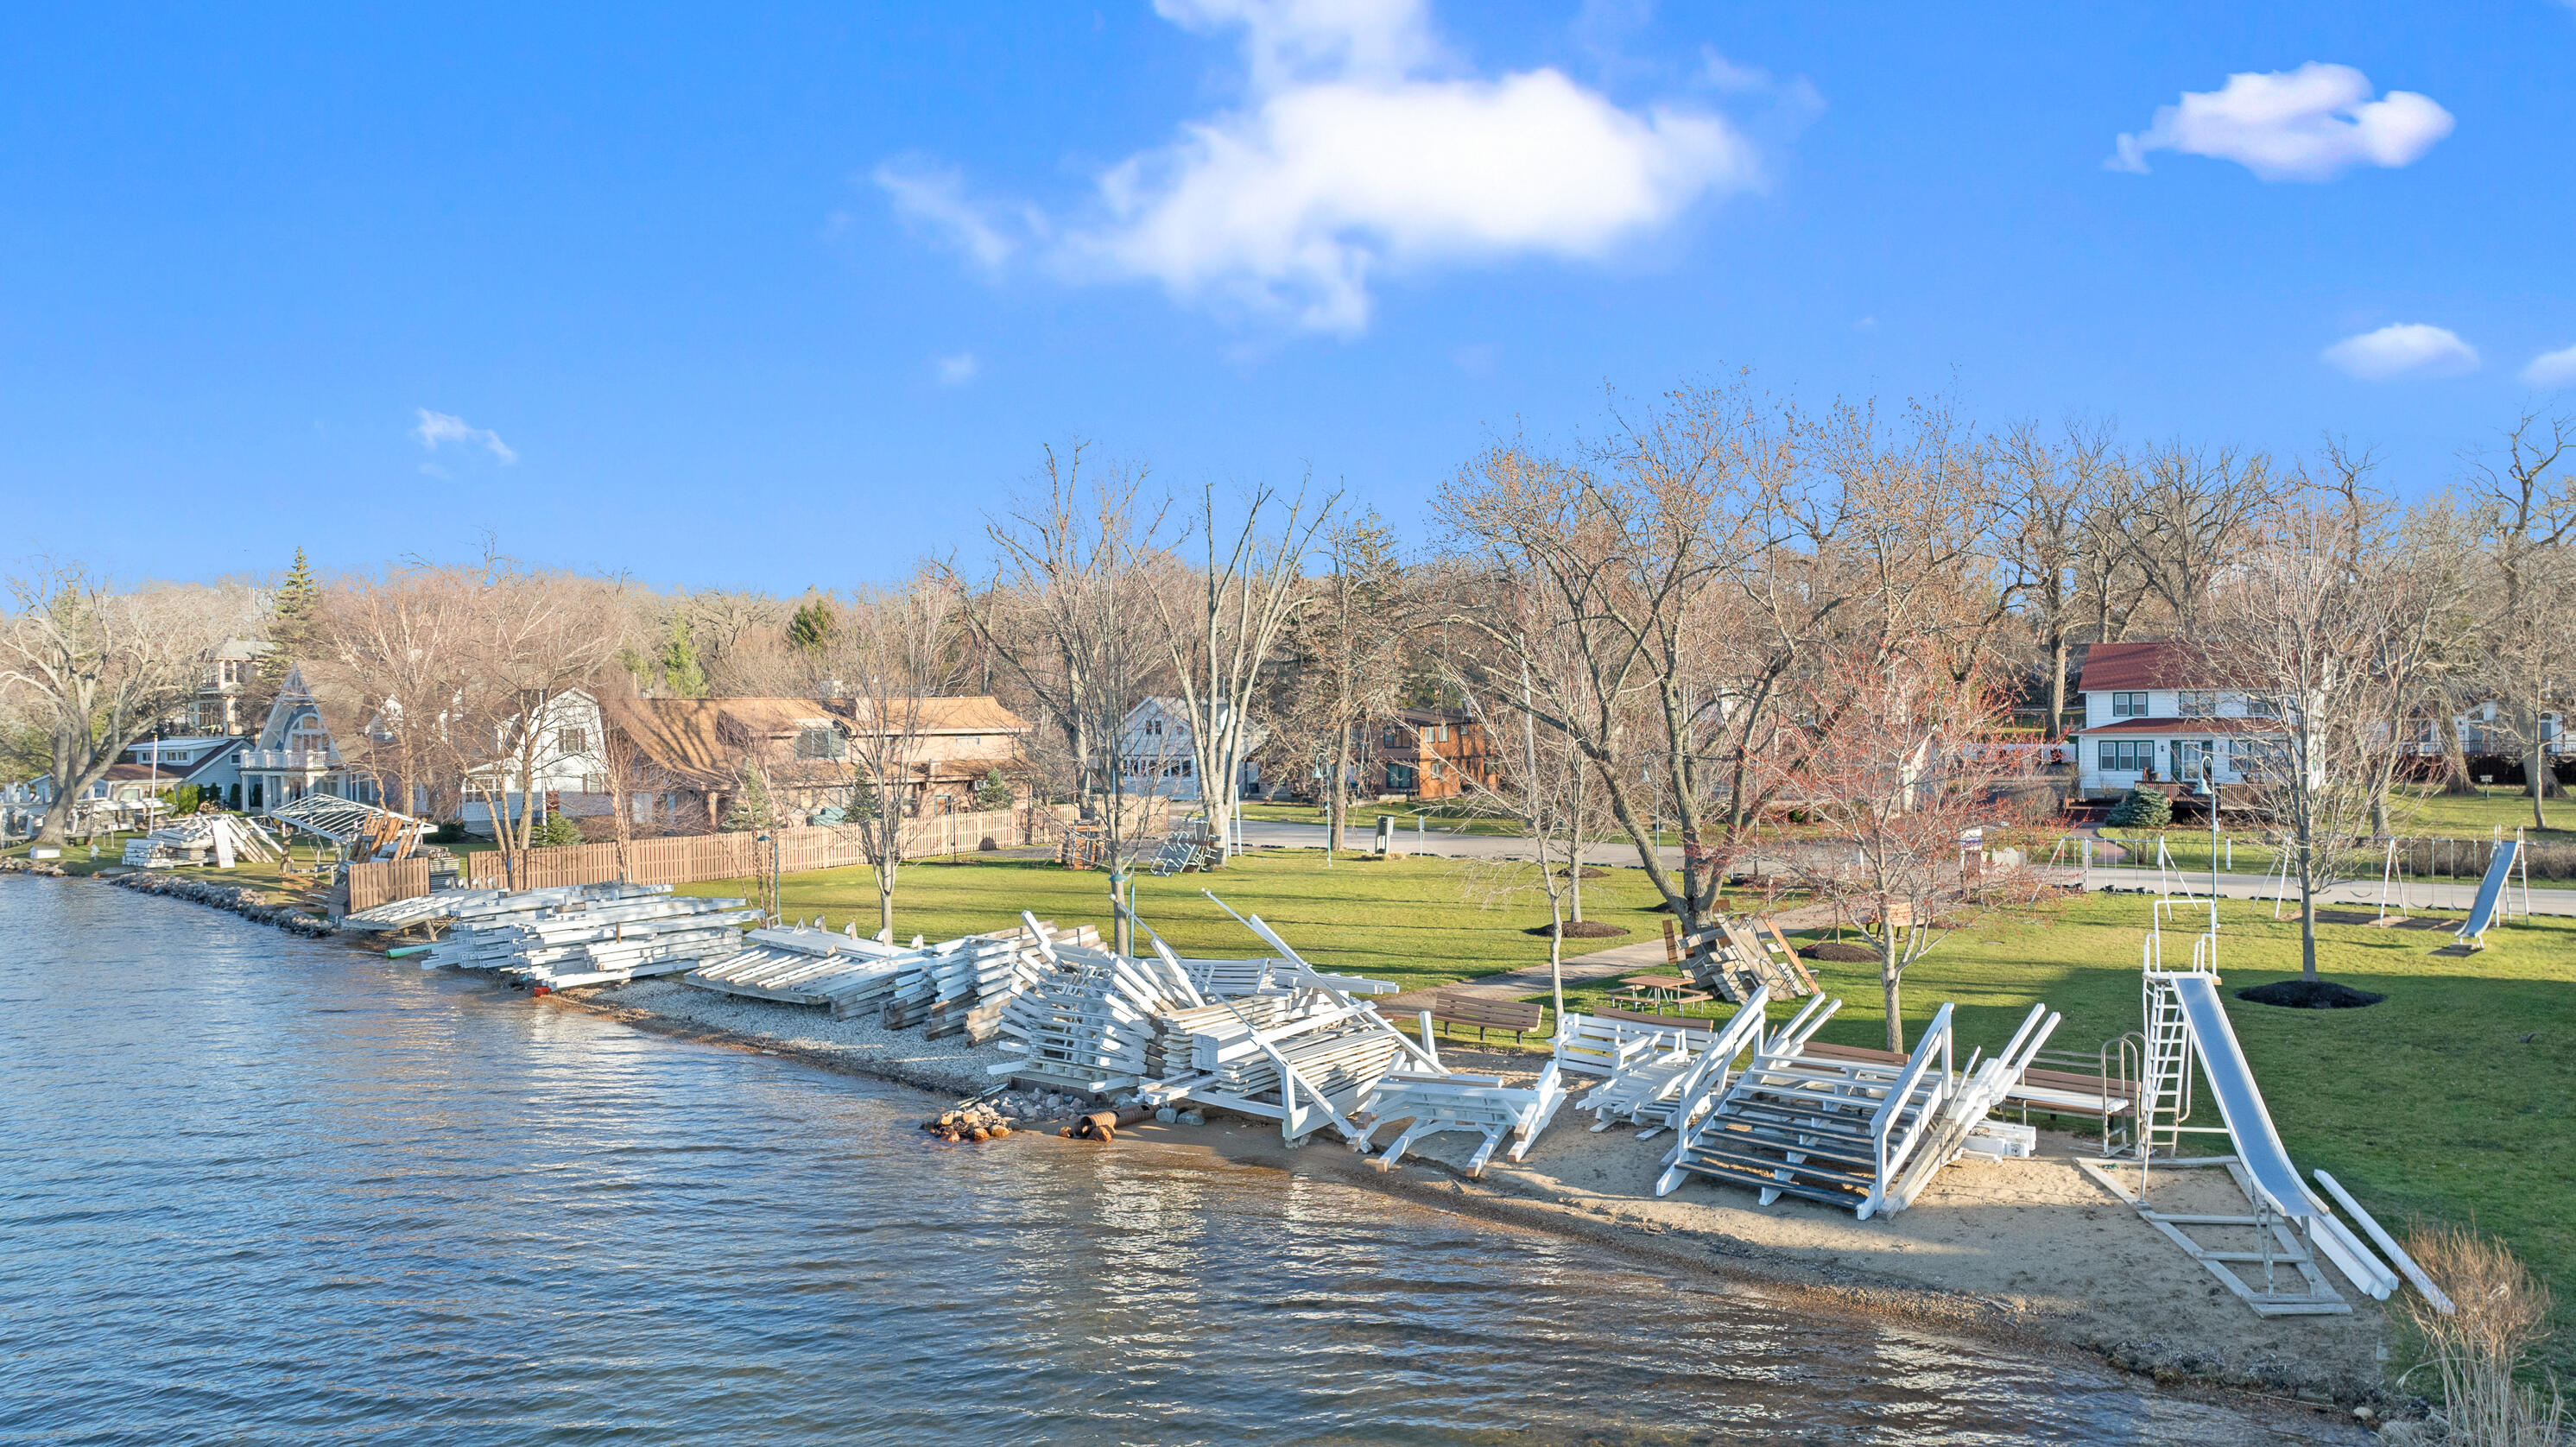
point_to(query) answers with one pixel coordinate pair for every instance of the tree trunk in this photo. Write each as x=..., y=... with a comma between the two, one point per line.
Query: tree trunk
x=2307, y=915
x=2455, y=758
x=2057, y=687
x=1888, y=978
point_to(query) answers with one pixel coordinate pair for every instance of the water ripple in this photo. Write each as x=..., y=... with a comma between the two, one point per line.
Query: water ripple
x=256, y=1189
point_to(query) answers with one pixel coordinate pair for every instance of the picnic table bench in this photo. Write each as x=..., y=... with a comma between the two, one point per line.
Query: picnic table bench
x=1457, y=1007
x=1658, y=991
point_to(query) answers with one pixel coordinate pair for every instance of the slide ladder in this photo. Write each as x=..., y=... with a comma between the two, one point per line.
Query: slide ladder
x=2187, y=1025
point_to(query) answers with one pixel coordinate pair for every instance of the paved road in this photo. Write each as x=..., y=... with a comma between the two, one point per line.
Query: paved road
x=1435, y=841
x=2420, y=895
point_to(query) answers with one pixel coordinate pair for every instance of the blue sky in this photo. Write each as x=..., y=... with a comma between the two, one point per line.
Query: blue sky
x=787, y=296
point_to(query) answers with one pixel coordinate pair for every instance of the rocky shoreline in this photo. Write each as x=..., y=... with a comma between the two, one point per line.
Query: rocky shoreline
x=244, y=902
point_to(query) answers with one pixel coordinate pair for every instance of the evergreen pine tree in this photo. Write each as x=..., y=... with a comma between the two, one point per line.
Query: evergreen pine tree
x=813, y=625
x=680, y=671
x=750, y=802
x=291, y=619
x=993, y=791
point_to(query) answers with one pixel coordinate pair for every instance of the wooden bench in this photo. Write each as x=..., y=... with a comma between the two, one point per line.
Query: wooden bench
x=2050, y=1092
x=1453, y=1007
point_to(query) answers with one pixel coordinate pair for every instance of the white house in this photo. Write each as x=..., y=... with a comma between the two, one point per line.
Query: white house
x=2153, y=712
x=1156, y=752
x=562, y=747
x=294, y=755
x=2487, y=729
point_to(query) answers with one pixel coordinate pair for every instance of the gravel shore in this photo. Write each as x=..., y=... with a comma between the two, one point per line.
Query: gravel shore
x=860, y=1045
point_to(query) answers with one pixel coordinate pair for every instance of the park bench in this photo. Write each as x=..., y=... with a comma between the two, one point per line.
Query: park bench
x=2050, y=1092
x=1454, y=1007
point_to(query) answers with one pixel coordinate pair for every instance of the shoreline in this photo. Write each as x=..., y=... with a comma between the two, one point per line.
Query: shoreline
x=2302, y=1366
x=2308, y=1383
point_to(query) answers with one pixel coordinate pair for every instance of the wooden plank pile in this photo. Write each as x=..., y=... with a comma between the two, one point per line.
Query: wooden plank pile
x=964, y=985
x=483, y=906
x=218, y=839
x=590, y=942
x=805, y=965
x=1734, y=957
x=1088, y=1024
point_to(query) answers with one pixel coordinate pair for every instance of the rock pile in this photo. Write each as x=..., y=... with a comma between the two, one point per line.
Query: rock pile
x=243, y=902
x=44, y=867
x=977, y=1122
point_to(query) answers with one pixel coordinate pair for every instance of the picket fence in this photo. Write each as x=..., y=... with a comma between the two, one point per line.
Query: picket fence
x=694, y=859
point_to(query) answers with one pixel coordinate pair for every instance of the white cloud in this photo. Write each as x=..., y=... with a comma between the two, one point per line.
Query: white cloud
x=2309, y=124
x=2552, y=370
x=1360, y=149
x=955, y=371
x=2409, y=349
x=438, y=427
x=935, y=197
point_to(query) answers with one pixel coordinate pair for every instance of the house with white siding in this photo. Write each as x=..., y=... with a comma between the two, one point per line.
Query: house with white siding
x=2154, y=713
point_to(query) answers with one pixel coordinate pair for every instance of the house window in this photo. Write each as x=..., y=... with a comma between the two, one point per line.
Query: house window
x=971, y=741
x=2197, y=703
x=2128, y=756
x=2187, y=754
x=820, y=743
x=2128, y=705
x=572, y=741
x=2258, y=706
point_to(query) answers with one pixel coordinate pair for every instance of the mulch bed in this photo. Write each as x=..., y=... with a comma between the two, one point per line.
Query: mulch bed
x=1837, y=950
x=2310, y=995
x=1581, y=929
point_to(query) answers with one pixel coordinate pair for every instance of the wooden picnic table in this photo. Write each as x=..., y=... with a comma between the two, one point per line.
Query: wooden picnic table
x=1659, y=991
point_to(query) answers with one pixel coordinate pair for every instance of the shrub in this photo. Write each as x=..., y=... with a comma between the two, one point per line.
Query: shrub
x=2142, y=809
x=2502, y=1313
x=556, y=829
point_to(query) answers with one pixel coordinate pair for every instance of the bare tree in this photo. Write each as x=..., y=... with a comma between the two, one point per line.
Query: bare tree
x=2049, y=487
x=1064, y=615
x=2524, y=499
x=1349, y=645
x=901, y=661
x=388, y=663
x=2193, y=510
x=1224, y=632
x=539, y=644
x=1899, y=776
x=2317, y=626
x=96, y=667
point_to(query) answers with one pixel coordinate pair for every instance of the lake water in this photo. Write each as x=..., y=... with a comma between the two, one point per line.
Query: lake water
x=255, y=1188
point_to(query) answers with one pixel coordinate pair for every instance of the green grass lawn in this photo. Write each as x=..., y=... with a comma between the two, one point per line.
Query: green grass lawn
x=1417, y=921
x=2500, y=806
x=2456, y=1098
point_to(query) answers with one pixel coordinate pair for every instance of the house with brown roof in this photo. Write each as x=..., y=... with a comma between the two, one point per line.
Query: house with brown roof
x=2158, y=712
x=693, y=754
x=1433, y=754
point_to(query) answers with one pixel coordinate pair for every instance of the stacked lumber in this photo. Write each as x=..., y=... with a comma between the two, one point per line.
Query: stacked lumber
x=590, y=942
x=961, y=986
x=805, y=965
x=480, y=906
x=1087, y=1025
x=199, y=839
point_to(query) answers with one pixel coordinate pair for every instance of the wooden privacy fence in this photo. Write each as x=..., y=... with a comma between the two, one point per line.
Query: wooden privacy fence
x=373, y=883
x=697, y=858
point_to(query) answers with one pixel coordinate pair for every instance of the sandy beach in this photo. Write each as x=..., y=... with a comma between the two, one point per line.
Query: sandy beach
x=2031, y=1251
